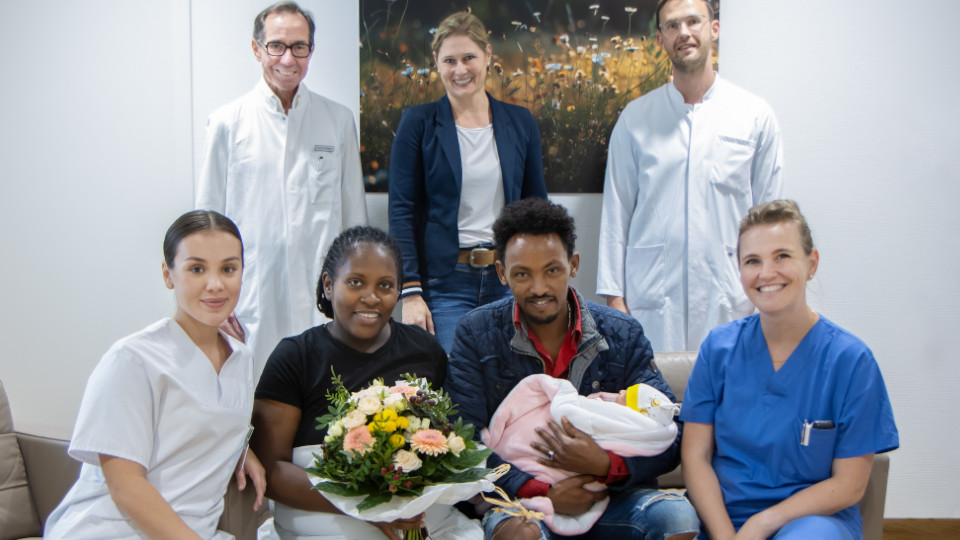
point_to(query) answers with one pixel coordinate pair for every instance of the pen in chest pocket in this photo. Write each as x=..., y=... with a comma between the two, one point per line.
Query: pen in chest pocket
x=810, y=426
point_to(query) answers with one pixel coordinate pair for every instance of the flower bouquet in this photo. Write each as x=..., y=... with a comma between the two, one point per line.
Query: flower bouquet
x=392, y=451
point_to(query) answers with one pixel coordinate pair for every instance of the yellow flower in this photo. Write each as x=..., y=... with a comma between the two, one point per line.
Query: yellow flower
x=385, y=421
x=397, y=440
x=403, y=422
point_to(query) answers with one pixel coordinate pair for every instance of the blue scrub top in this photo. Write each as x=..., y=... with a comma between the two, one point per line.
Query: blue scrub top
x=758, y=413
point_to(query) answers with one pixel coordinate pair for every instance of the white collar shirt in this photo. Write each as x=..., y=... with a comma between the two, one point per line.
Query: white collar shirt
x=679, y=178
x=291, y=182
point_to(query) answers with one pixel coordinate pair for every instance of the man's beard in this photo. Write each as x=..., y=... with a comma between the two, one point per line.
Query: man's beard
x=540, y=320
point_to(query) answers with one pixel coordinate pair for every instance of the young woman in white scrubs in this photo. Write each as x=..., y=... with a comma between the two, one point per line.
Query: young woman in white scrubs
x=165, y=417
x=784, y=410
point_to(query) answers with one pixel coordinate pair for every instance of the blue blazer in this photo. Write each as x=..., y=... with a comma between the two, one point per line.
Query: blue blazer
x=425, y=180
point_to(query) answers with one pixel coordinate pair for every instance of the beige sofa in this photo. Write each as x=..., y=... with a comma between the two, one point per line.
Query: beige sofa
x=36, y=472
x=676, y=367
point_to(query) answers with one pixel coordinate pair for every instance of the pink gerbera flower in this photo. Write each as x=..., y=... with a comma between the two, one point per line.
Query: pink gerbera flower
x=358, y=440
x=429, y=441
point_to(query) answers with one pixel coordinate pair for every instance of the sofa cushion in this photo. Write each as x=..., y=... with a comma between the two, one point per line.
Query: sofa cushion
x=675, y=368
x=18, y=517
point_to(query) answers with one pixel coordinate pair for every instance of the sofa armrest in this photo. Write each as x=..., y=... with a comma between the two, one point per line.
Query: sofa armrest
x=874, y=498
x=672, y=479
x=50, y=471
x=675, y=367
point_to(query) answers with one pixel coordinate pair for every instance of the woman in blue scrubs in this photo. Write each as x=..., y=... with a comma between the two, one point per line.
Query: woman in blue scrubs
x=784, y=410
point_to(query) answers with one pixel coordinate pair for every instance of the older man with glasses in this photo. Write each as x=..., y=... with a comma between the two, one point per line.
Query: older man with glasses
x=284, y=164
x=685, y=163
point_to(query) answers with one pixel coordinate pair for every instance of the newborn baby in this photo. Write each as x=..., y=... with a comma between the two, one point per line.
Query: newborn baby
x=644, y=399
x=636, y=422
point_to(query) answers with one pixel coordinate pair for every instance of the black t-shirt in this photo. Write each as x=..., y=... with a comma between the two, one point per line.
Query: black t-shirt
x=298, y=371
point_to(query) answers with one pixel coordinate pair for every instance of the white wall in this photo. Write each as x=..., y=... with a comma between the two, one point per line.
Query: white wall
x=871, y=140
x=97, y=149
x=94, y=161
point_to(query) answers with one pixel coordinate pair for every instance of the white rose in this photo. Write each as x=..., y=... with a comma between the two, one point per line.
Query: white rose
x=455, y=444
x=394, y=402
x=407, y=460
x=416, y=424
x=335, y=430
x=369, y=405
x=377, y=391
x=353, y=419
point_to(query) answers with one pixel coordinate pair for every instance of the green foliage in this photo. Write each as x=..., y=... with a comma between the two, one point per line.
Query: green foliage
x=338, y=398
x=394, y=441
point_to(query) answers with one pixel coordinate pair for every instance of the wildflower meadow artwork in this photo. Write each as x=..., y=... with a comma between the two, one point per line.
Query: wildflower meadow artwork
x=574, y=64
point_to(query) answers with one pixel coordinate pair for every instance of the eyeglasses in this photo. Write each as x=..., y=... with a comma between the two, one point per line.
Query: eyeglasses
x=693, y=23
x=275, y=48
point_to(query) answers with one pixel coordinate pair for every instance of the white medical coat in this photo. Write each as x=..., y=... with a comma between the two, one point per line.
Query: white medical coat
x=155, y=399
x=679, y=179
x=291, y=182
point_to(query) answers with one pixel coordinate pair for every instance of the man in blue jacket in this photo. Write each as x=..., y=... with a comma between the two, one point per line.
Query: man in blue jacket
x=547, y=327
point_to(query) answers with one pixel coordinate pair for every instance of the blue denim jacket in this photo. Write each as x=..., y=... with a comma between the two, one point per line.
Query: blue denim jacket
x=490, y=356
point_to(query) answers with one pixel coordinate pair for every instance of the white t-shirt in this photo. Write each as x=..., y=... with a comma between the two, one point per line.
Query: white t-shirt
x=481, y=193
x=156, y=400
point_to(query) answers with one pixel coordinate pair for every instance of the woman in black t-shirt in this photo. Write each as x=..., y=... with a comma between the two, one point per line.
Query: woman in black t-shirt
x=358, y=289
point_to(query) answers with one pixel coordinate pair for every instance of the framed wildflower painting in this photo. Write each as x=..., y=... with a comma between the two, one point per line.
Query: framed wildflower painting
x=574, y=64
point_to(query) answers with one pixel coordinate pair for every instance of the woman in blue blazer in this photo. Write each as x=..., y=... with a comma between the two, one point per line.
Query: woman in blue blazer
x=454, y=164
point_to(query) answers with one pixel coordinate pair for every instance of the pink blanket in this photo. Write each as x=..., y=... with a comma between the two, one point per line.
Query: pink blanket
x=537, y=399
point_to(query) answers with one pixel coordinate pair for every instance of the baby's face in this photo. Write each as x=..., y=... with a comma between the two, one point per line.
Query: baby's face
x=622, y=398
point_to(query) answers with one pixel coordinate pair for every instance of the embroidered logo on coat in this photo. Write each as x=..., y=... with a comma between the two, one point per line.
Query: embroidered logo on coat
x=323, y=148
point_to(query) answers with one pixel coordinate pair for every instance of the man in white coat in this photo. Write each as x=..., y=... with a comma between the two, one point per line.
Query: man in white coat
x=284, y=164
x=685, y=163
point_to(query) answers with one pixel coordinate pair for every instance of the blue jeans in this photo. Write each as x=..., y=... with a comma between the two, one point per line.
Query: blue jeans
x=825, y=527
x=641, y=514
x=453, y=295
x=819, y=527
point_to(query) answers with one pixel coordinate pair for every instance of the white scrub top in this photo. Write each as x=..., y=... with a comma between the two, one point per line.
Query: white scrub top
x=156, y=400
x=291, y=182
x=679, y=179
